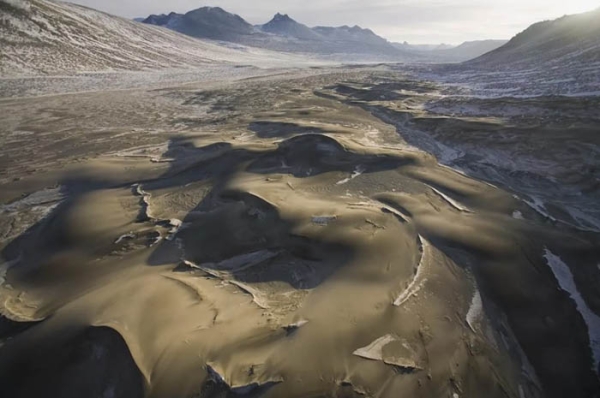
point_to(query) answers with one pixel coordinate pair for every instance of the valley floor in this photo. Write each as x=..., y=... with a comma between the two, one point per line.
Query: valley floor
x=324, y=232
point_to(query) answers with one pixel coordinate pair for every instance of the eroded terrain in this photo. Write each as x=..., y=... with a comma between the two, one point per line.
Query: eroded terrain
x=352, y=233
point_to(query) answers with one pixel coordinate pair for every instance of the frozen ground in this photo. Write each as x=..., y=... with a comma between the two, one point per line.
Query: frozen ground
x=576, y=80
x=30, y=86
x=544, y=149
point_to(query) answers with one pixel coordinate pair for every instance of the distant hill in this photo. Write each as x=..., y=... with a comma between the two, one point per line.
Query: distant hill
x=454, y=54
x=469, y=50
x=47, y=37
x=354, y=34
x=281, y=33
x=573, y=39
x=424, y=47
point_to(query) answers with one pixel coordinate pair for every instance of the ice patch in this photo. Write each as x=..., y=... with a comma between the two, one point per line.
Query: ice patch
x=401, y=354
x=539, y=206
x=323, y=220
x=357, y=172
x=586, y=222
x=475, y=311
x=518, y=215
x=375, y=349
x=4, y=267
x=295, y=326
x=40, y=198
x=567, y=283
x=458, y=206
x=123, y=237
x=417, y=283
x=176, y=226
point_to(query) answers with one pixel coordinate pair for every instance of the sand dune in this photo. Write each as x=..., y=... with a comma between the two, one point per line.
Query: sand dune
x=213, y=252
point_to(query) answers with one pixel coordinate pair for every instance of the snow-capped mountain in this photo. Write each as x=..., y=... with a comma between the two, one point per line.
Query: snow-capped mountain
x=282, y=33
x=40, y=36
x=283, y=25
x=206, y=22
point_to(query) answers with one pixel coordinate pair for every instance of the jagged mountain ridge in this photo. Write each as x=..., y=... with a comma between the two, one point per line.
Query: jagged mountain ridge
x=282, y=33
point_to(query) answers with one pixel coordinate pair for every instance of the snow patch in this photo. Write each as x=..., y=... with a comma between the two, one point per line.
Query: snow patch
x=292, y=327
x=46, y=197
x=357, y=172
x=401, y=353
x=176, y=226
x=5, y=267
x=563, y=274
x=518, y=215
x=323, y=220
x=417, y=283
x=458, y=206
x=475, y=311
x=122, y=238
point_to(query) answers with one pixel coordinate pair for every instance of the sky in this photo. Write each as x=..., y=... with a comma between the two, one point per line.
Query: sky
x=414, y=21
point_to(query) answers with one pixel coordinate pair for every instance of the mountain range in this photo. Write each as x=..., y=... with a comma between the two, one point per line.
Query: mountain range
x=48, y=37
x=281, y=33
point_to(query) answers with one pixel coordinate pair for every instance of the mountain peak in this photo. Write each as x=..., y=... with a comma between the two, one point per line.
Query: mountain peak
x=281, y=18
x=283, y=25
x=212, y=9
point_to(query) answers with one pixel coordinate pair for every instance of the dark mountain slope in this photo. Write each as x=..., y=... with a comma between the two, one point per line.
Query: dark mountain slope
x=283, y=25
x=282, y=33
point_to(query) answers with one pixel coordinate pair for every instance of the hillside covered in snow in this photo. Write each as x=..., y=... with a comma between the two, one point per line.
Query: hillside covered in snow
x=47, y=37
